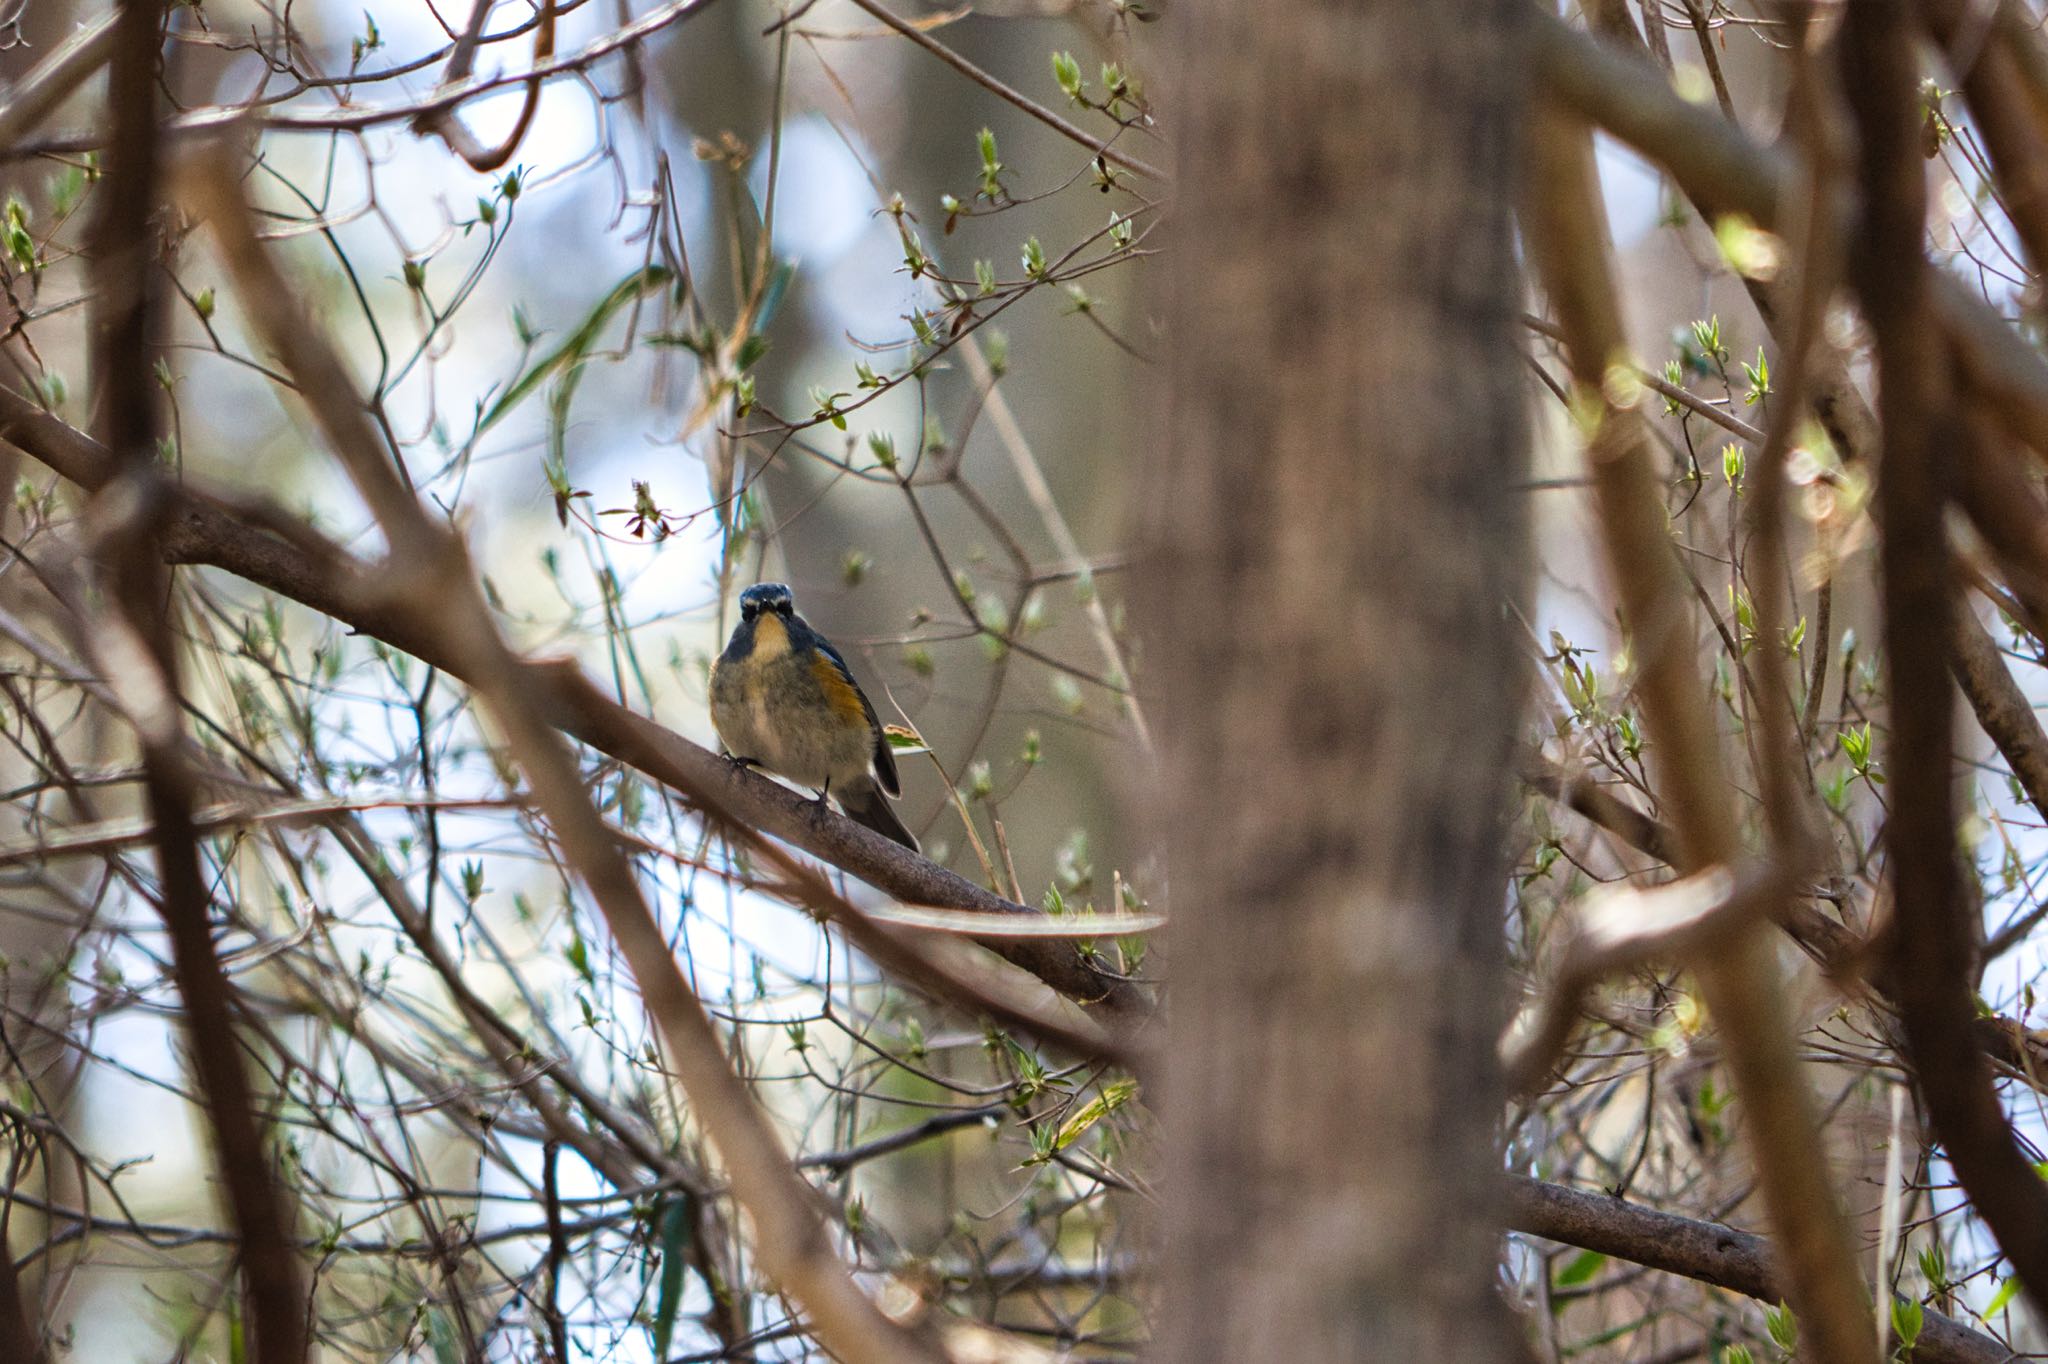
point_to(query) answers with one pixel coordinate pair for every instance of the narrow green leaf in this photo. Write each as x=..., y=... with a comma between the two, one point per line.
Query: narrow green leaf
x=441, y=1336
x=578, y=344
x=771, y=298
x=1113, y=1096
x=675, y=1239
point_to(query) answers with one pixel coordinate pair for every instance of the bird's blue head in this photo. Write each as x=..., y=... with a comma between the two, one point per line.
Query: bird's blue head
x=771, y=597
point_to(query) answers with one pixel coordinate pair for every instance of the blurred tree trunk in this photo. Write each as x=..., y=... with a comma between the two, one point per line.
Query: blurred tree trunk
x=1328, y=570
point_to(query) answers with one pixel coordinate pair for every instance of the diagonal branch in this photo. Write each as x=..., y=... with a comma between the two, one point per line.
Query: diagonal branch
x=2002, y=709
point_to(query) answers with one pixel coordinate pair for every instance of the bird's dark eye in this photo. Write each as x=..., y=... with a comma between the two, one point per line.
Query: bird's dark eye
x=748, y=610
x=785, y=607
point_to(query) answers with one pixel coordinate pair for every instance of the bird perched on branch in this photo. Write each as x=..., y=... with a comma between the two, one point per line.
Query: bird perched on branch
x=783, y=699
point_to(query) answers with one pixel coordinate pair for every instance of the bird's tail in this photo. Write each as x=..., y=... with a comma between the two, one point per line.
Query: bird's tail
x=869, y=806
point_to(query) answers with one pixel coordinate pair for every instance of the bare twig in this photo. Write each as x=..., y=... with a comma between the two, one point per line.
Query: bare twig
x=1605, y=809
x=36, y=95
x=447, y=123
x=1107, y=150
x=2004, y=711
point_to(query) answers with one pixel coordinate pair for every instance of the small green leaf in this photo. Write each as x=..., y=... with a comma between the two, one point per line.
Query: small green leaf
x=1066, y=73
x=771, y=298
x=1783, y=1326
x=903, y=739
x=441, y=1336
x=1907, y=1319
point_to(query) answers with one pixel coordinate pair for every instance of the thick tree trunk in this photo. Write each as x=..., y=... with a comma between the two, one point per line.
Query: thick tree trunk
x=1333, y=551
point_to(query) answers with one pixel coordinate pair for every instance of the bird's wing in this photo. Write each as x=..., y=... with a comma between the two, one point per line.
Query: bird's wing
x=844, y=693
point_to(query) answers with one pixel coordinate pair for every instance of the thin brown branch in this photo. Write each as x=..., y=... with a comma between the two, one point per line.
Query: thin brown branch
x=1656, y=383
x=1640, y=831
x=1704, y=1251
x=2002, y=709
x=1703, y=30
x=2006, y=507
x=137, y=653
x=1653, y=31
x=447, y=124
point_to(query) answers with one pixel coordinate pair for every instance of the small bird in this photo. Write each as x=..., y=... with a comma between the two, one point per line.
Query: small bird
x=783, y=699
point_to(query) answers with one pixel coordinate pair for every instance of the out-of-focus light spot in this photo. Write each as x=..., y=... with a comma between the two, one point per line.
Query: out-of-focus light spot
x=823, y=199
x=564, y=127
x=1633, y=190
